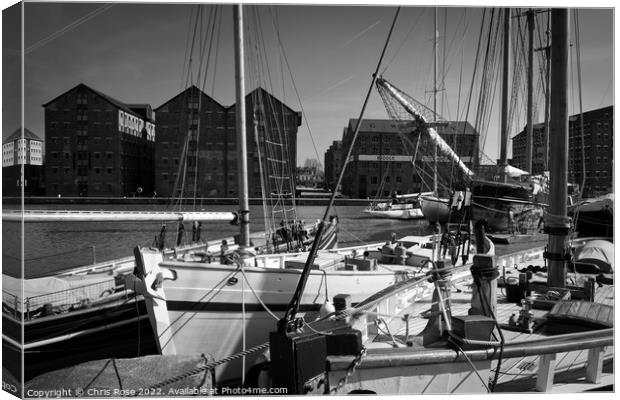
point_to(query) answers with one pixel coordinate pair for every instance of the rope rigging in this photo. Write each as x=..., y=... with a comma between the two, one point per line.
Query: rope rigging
x=204, y=38
x=272, y=138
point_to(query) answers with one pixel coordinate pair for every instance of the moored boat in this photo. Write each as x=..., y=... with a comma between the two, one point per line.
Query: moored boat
x=594, y=216
x=90, y=307
x=399, y=207
x=226, y=305
x=48, y=318
x=507, y=207
x=435, y=209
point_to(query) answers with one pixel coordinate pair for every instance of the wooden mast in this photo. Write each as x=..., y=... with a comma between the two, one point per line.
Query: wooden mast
x=435, y=43
x=530, y=89
x=242, y=161
x=503, y=162
x=547, y=90
x=558, y=224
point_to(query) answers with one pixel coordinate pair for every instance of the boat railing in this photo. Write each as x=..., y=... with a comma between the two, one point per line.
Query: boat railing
x=64, y=300
x=547, y=349
x=390, y=304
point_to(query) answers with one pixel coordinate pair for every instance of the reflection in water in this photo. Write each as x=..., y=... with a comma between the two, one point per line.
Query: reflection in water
x=58, y=245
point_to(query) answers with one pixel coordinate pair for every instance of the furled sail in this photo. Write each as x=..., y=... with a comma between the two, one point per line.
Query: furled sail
x=422, y=117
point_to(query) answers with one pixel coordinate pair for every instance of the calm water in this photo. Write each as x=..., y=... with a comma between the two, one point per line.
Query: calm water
x=55, y=245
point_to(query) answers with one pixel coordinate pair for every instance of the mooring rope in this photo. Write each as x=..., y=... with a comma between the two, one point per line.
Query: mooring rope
x=209, y=366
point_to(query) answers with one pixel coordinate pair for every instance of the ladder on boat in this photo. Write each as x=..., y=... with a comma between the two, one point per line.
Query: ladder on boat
x=274, y=161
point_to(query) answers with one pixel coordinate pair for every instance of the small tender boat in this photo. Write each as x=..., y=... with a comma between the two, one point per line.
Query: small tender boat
x=435, y=209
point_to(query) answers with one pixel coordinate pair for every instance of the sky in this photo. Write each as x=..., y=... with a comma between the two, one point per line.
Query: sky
x=320, y=59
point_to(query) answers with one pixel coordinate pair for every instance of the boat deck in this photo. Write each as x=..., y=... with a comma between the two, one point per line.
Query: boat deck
x=516, y=374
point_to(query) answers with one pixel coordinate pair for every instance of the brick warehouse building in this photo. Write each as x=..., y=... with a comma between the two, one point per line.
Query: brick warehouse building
x=597, y=147
x=97, y=145
x=196, y=143
x=333, y=163
x=22, y=149
x=379, y=162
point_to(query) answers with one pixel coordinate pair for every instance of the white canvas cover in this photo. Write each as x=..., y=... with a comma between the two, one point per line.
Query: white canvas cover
x=56, y=291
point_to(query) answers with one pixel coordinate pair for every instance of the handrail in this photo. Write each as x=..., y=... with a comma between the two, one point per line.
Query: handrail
x=390, y=357
x=402, y=286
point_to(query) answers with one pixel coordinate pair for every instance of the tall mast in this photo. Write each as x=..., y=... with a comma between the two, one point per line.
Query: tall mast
x=242, y=161
x=503, y=163
x=435, y=61
x=558, y=225
x=547, y=90
x=530, y=89
x=293, y=307
x=435, y=52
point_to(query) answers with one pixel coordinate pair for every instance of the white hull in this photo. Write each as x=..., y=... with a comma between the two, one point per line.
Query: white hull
x=435, y=209
x=200, y=305
x=203, y=332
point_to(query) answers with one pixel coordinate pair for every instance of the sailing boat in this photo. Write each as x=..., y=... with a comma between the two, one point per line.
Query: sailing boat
x=463, y=346
x=512, y=205
x=232, y=296
x=400, y=206
x=225, y=305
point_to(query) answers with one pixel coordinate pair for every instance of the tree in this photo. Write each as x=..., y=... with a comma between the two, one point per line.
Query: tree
x=313, y=163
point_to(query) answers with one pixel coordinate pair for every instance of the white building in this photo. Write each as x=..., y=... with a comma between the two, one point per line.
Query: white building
x=26, y=149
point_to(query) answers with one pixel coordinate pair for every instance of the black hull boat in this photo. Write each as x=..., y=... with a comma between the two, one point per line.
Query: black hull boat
x=118, y=329
x=507, y=207
x=594, y=216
